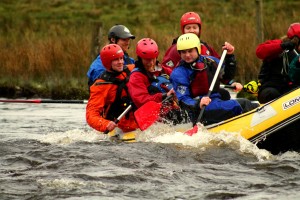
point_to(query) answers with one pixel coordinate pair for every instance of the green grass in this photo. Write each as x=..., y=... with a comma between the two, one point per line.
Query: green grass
x=47, y=46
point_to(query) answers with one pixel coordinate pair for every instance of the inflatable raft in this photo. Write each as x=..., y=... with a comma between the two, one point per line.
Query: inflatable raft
x=274, y=126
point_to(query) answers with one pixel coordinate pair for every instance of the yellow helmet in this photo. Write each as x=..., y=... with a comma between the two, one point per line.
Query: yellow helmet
x=188, y=41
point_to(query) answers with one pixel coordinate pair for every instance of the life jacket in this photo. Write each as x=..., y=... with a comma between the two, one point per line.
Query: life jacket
x=204, y=70
x=161, y=83
x=121, y=102
x=158, y=83
x=294, y=71
x=275, y=72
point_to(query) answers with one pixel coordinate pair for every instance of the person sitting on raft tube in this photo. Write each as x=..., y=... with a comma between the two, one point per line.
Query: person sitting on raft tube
x=147, y=82
x=192, y=78
x=109, y=96
x=277, y=76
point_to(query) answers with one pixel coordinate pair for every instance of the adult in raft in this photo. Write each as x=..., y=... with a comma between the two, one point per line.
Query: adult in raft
x=109, y=96
x=120, y=35
x=277, y=75
x=147, y=83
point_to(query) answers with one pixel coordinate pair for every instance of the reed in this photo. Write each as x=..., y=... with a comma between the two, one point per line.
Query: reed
x=49, y=45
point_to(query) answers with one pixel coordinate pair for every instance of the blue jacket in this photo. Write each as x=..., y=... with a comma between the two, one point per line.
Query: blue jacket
x=217, y=110
x=97, y=68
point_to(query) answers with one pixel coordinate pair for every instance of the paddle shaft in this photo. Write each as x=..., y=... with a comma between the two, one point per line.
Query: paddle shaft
x=227, y=86
x=120, y=117
x=212, y=85
x=42, y=101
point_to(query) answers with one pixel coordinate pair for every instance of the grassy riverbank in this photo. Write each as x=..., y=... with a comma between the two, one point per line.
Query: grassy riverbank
x=46, y=47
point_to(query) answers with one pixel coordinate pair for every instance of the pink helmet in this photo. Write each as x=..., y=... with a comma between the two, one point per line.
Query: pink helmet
x=147, y=48
x=109, y=53
x=190, y=18
x=294, y=30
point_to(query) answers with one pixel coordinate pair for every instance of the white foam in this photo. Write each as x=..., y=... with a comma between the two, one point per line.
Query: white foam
x=72, y=136
x=203, y=139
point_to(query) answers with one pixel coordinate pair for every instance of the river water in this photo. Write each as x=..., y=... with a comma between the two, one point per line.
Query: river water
x=47, y=151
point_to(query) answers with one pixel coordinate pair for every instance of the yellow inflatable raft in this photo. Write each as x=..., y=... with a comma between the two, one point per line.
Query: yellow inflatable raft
x=274, y=126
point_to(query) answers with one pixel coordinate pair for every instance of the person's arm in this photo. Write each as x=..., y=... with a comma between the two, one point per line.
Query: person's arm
x=99, y=98
x=229, y=69
x=269, y=49
x=138, y=89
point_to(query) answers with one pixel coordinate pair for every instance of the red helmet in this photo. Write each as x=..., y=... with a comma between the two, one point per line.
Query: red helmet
x=190, y=18
x=294, y=30
x=147, y=48
x=109, y=53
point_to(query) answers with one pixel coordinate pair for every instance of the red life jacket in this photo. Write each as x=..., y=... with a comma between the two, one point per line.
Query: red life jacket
x=202, y=77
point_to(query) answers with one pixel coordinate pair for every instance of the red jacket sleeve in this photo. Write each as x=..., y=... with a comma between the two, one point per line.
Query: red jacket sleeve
x=138, y=89
x=269, y=49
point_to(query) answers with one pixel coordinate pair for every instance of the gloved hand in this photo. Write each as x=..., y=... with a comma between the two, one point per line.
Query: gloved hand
x=252, y=87
x=289, y=45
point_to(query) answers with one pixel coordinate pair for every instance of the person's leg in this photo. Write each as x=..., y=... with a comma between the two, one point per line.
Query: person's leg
x=268, y=94
x=246, y=104
x=225, y=95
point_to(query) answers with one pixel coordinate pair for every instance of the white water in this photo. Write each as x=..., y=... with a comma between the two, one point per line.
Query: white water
x=49, y=152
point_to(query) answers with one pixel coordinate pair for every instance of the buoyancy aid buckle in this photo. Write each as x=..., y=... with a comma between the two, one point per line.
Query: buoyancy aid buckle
x=199, y=66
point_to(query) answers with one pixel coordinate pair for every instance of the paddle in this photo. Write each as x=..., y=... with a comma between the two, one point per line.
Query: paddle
x=148, y=113
x=212, y=85
x=227, y=86
x=42, y=101
x=120, y=117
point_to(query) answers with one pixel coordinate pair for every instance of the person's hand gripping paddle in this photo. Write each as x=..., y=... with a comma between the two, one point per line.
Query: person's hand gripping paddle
x=120, y=117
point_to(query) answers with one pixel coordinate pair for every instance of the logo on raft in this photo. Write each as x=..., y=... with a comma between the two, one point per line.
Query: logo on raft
x=290, y=103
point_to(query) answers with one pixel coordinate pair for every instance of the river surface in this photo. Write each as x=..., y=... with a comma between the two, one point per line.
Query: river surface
x=47, y=151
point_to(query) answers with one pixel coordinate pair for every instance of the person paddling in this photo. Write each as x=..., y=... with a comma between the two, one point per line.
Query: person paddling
x=191, y=22
x=192, y=78
x=109, y=96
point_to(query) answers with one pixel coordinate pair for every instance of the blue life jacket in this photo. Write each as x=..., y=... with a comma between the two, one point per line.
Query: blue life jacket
x=162, y=83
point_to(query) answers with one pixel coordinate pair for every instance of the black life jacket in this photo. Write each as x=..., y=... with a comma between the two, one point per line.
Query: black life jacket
x=121, y=102
x=274, y=73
